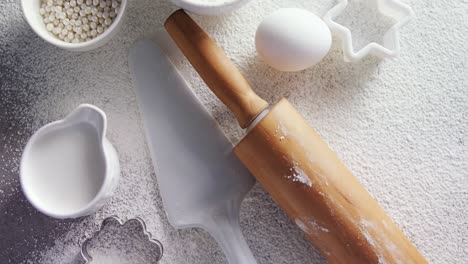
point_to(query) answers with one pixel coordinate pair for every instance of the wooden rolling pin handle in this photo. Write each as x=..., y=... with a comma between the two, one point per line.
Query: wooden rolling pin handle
x=215, y=68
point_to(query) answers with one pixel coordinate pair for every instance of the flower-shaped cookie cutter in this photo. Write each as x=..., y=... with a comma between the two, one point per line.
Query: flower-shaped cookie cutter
x=116, y=222
x=402, y=13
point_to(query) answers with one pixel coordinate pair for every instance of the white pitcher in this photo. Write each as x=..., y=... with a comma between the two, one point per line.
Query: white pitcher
x=69, y=169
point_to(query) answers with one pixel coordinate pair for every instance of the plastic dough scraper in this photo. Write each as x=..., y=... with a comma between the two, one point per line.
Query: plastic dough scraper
x=202, y=183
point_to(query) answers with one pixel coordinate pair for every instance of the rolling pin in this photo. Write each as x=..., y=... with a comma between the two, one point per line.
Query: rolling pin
x=294, y=165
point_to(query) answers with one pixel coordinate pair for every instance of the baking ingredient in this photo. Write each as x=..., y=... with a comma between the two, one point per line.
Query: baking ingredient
x=64, y=168
x=78, y=20
x=298, y=175
x=420, y=116
x=292, y=39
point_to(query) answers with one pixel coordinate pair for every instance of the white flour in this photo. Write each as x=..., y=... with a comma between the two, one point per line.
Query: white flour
x=298, y=175
x=399, y=125
x=311, y=227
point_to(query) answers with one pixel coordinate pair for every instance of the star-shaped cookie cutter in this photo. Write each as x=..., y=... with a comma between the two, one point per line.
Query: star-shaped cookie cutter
x=401, y=12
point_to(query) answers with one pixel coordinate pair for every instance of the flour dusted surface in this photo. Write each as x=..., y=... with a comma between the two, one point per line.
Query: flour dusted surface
x=399, y=125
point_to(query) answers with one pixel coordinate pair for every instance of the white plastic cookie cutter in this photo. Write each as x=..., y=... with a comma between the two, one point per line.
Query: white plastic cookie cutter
x=402, y=13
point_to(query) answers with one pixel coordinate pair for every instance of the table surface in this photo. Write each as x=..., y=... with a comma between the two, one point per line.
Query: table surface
x=400, y=125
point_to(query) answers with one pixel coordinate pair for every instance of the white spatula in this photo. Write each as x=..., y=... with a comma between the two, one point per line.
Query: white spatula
x=202, y=183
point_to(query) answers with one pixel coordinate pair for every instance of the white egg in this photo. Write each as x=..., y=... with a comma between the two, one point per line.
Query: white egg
x=292, y=39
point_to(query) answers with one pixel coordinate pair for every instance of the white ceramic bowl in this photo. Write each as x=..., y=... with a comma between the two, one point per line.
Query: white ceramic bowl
x=210, y=7
x=34, y=19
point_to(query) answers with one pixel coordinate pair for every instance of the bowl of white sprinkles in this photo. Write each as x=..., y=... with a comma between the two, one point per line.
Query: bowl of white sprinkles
x=75, y=25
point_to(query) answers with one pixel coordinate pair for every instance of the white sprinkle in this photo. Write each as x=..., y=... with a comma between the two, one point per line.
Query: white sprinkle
x=50, y=27
x=75, y=17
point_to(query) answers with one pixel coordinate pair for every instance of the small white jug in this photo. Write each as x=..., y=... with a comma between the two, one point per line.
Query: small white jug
x=69, y=169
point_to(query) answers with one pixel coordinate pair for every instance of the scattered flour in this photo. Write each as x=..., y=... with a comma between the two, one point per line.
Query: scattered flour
x=311, y=227
x=298, y=175
x=364, y=111
x=382, y=240
x=281, y=130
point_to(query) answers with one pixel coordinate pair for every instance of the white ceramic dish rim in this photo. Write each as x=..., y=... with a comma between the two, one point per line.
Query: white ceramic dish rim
x=61, y=124
x=42, y=32
x=205, y=7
